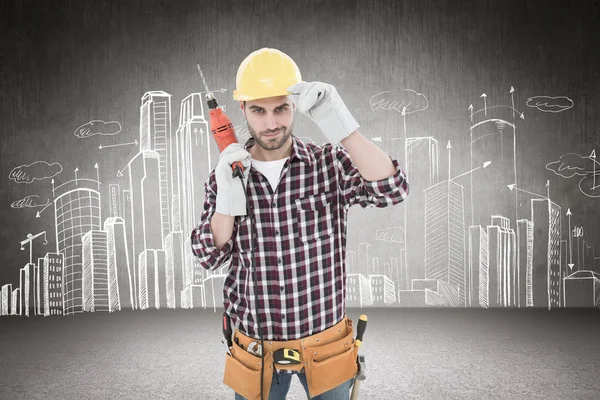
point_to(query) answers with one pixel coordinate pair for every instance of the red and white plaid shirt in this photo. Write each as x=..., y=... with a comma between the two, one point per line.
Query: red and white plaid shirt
x=301, y=241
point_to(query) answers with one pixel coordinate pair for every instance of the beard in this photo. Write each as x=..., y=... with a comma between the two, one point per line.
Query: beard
x=272, y=143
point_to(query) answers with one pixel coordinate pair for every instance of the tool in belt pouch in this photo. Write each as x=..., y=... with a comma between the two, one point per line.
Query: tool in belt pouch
x=329, y=358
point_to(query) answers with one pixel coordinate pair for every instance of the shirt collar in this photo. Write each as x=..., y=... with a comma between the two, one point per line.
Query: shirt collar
x=299, y=149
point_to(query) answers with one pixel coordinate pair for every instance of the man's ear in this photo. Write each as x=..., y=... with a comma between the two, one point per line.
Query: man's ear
x=242, y=104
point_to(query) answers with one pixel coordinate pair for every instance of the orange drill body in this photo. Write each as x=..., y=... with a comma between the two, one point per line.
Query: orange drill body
x=221, y=128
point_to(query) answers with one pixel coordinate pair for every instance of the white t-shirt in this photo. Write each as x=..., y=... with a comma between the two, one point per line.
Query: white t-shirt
x=270, y=169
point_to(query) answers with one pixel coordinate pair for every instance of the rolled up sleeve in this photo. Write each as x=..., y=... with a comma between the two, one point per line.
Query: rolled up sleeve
x=357, y=190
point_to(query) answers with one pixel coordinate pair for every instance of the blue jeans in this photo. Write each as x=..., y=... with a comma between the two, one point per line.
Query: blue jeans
x=279, y=390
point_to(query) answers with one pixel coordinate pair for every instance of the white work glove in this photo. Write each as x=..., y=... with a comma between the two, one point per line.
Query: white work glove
x=231, y=197
x=322, y=103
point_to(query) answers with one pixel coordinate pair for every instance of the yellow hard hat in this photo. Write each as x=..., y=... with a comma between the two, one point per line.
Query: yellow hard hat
x=265, y=73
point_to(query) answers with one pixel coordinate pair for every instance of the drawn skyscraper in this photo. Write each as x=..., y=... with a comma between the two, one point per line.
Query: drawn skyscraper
x=152, y=287
x=38, y=287
x=477, y=285
x=6, y=307
x=174, y=268
x=502, y=274
x=128, y=219
x=445, y=235
x=114, y=201
x=144, y=184
x=196, y=154
x=77, y=211
x=422, y=162
x=525, y=262
x=546, y=275
x=492, y=139
x=95, y=272
x=119, y=266
x=155, y=135
x=53, y=283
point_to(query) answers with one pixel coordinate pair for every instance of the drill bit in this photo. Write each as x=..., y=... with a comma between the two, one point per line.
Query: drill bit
x=212, y=102
x=208, y=92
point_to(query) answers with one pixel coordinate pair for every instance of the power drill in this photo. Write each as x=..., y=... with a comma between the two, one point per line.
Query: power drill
x=221, y=128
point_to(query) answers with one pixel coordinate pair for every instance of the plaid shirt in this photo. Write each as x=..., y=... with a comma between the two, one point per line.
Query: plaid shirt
x=301, y=241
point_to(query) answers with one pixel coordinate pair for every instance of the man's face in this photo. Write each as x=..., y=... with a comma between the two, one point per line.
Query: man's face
x=270, y=120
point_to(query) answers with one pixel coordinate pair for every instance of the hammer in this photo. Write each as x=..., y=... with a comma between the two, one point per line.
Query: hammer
x=360, y=330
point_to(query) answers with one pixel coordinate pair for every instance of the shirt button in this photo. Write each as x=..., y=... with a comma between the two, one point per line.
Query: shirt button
x=279, y=261
x=282, y=316
x=276, y=232
x=281, y=288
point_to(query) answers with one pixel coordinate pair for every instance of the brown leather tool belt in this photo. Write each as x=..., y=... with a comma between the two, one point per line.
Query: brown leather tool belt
x=329, y=358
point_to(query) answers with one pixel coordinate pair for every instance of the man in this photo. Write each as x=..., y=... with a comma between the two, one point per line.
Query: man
x=283, y=230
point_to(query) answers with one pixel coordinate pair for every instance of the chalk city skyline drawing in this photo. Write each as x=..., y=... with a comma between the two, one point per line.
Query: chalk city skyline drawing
x=462, y=241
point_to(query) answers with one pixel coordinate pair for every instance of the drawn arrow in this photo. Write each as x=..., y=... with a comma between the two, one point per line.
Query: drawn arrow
x=115, y=145
x=485, y=164
x=484, y=102
x=471, y=109
x=215, y=91
x=76, y=169
x=512, y=100
x=37, y=215
x=97, y=175
x=570, y=241
x=514, y=186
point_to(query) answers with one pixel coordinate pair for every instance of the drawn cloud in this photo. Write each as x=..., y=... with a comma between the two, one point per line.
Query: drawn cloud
x=37, y=170
x=97, y=127
x=28, y=201
x=550, y=104
x=390, y=235
x=408, y=98
x=571, y=164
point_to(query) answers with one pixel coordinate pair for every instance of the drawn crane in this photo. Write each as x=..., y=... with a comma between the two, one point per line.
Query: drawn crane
x=29, y=239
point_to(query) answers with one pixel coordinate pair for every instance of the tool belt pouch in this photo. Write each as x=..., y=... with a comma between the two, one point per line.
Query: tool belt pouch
x=242, y=372
x=329, y=365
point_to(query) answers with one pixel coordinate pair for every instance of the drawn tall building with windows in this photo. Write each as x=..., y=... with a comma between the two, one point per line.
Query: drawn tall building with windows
x=155, y=135
x=53, y=283
x=477, y=268
x=119, y=265
x=502, y=258
x=77, y=211
x=6, y=307
x=445, y=236
x=547, y=275
x=422, y=158
x=95, y=272
x=196, y=154
x=493, y=138
x=525, y=262
x=145, y=215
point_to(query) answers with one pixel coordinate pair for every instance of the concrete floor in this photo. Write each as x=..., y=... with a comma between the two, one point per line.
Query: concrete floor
x=410, y=353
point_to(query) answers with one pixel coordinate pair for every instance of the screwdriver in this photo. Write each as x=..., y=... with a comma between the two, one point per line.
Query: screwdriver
x=221, y=127
x=360, y=330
